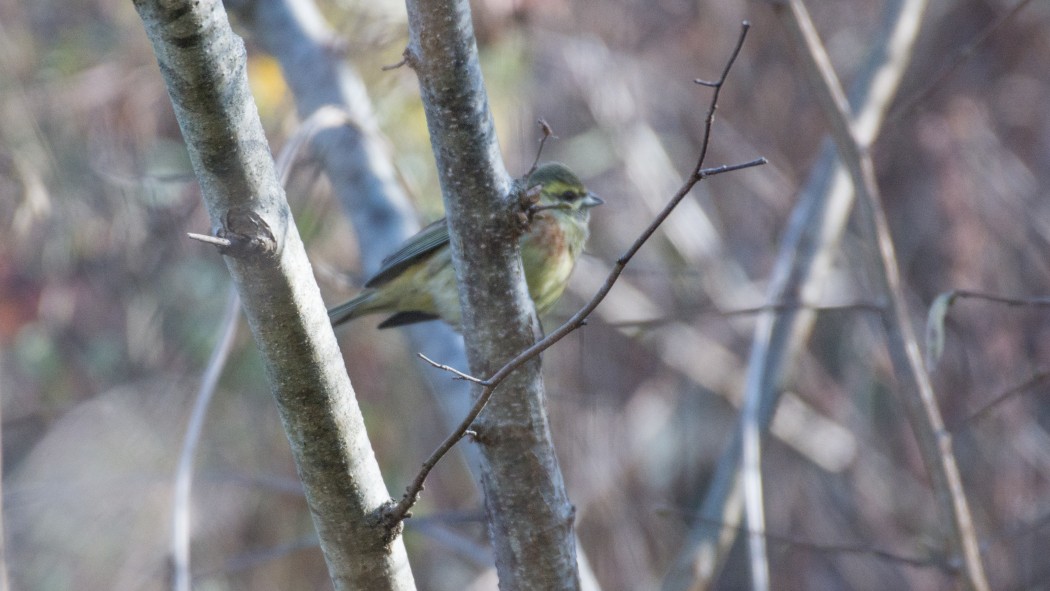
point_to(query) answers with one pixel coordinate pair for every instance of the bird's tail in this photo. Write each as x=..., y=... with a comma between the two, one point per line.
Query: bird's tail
x=351, y=309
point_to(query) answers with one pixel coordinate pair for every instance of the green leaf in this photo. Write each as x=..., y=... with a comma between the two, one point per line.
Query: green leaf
x=935, y=328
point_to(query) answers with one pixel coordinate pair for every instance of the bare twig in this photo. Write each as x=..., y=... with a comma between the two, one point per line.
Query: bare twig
x=403, y=61
x=546, y=133
x=180, y=536
x=1038, y=302
x=709, y=120
x=1034, y=380
x=706, y=172
x=398, y=511
x=459, y=375
x=755, y=310
x=918, y=398
x=832, y=548
x=223, y=242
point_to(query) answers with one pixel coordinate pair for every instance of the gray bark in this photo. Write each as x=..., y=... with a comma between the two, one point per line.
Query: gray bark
x=530, y=517
x=203, y=64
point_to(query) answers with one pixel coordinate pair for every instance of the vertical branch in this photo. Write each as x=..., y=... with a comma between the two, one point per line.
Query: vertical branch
x=920, y=403
x=3, y=547
x=204, y=68
x=530, y=517
x=751, y=472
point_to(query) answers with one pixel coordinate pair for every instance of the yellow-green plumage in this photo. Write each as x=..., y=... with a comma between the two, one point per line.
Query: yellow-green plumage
x=418, y=283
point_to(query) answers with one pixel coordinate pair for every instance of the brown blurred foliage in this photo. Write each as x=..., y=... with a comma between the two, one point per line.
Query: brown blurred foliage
x=107, y=312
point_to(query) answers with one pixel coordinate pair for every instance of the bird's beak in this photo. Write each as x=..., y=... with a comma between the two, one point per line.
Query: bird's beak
x=591, y=200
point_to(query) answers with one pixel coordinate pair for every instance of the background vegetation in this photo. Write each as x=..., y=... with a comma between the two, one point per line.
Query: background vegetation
x=108, y=313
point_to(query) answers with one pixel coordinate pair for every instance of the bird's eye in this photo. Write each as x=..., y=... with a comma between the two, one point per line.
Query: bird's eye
x=570, y=196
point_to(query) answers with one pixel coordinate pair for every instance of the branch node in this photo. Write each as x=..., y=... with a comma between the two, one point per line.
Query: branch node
x=391, y=516
x=407, y=59
x=245, y=234
x=403, y=62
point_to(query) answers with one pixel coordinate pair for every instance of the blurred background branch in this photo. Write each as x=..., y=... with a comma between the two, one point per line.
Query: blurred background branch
x=913, y=381
x=806, y=253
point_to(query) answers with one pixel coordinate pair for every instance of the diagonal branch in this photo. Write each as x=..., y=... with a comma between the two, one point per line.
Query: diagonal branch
x=918, y=397
x=400, y=510
x=204, y=67
x=815, y=226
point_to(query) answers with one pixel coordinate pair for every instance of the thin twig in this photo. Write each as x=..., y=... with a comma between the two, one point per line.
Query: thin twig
x=941, y=306
x=459, y=375
x=545, y=133
x=398, y=511
x=1039, y=302
x=876, y=307
x=706, y=172
x=709, y=120
x=180, y=539
x=404, y=60
x=210, y=239
x=1034, y=380
x=829, y=548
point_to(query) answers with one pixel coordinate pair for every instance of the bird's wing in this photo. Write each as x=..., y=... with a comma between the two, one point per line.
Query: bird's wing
x=406, y=318
x=415, y=249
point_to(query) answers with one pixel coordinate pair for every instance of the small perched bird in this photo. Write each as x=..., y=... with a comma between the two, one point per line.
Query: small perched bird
x=417, y=282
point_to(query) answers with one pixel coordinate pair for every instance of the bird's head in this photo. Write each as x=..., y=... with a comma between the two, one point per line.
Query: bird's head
x=562, y=190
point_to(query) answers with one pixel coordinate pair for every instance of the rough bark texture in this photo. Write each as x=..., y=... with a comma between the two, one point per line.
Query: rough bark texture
x=361, y=173
x=530, y=518
x=203, y=64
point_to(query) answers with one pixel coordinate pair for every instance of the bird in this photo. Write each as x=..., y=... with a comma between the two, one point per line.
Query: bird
x=417, y=283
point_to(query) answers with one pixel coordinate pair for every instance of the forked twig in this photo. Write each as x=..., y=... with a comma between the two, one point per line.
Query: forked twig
x=546, y=133
x=395, y=512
